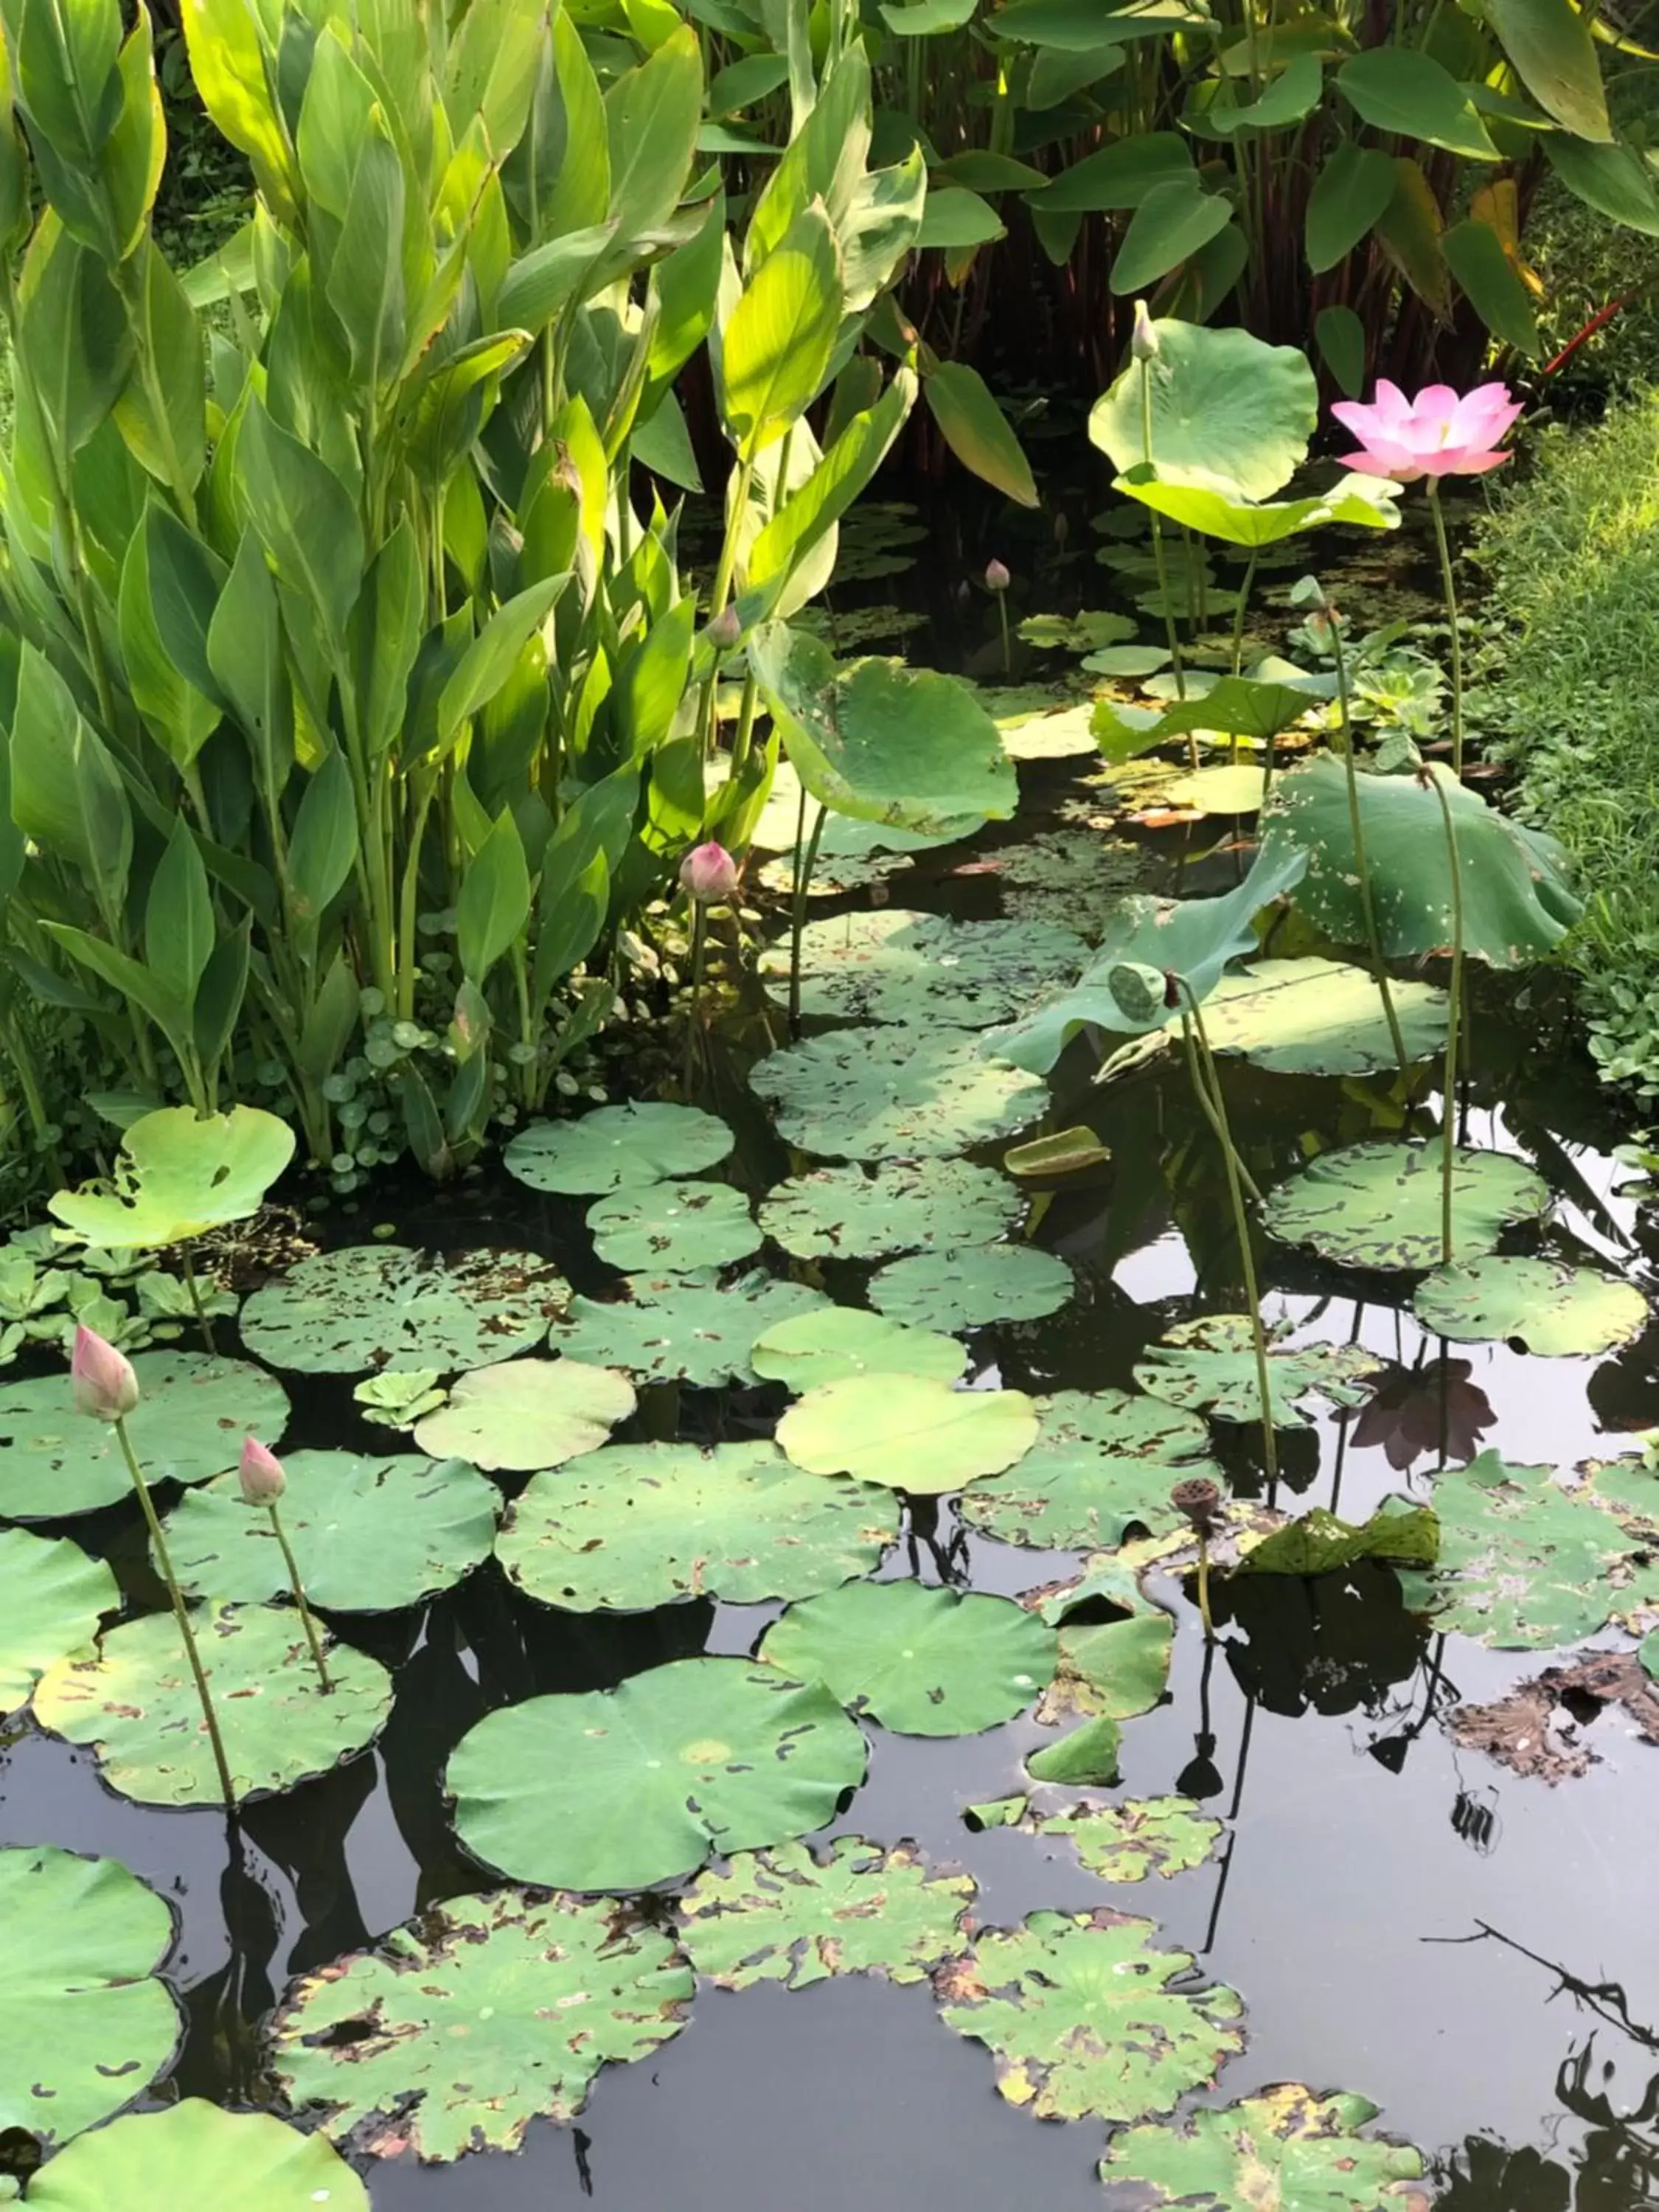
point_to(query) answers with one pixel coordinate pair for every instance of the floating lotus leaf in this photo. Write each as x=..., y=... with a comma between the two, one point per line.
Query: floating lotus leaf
x=180, y=1173
x=1378, y=1205
x=191, y=1416
x=892, y=965
x=874, y=1094
x=1067, y=734
x=1079, y=2012
x=85, y=2023
x=907, y=1205
x=618, y=1148
x=384, y=1305
x=1230, y=413
x=789, y=1916
x=1220, y=791
x=1078, y=633
x=1110, y=1669
x=1128, y=661
x=490, y=2012
x=1547, y=1306
x=1288, y=2150
x=682, y=1328
x=1315, y=1017
x=1209, y=1365
x=833, y=1342
x=921, y=1661
x=1318, y=1543
x=1078, y=876
x=618, y=1789
x=844, y=838
x=1142, y=1836
x=1088, y=1756
x=51, y=1596
x=910, y=1431
x=1102, y=1464
x=528, y=1413
x=671, y=1227
x=972, y=1287
x=134, y=1700
x=194, y=2158
x=641, y=1525
x=368, y=1534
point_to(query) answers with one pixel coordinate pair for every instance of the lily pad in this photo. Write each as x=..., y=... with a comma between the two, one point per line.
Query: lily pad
x=789, y=1915
x=368, y=1535
x=618, y=1148
x=194, y=2158
x=921, y=1661
x=1314, y=1016
x=1221, y=790
x=384, y=1305
x=85, y=2024
x=1080, y=633
x=1546, y=1305
x=682, y=1328
x=641, y=1525
x=51, y=1596
x=1378, y=1205
x=971, y=1288
x=133, y=1699
x=1079, y=2012
x=1065, y=734
x=874, y=1094
x=668, y=1228
x=191, y=1416
x=1288, y=2150
x=618, y=1789
x=1128, y=663
x=1209, y=1366
x=180, y=1173
x=528, y=1413
x=906, y=1206
x=1086, y=1757
x=910, y=1431
x=833, y=1342
x=1078, y=876
x=1142, y=1836
x=892, y=965
x=453, y=2034
x=1110, y=1669
x=1103, y=1463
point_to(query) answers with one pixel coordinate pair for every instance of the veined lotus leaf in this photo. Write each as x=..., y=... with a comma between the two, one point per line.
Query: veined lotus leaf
x=133, y=1699
x=845, y=839
x=1078, y=2011
x=1140, y=1836
x=1518, y=903
x=875, y=1093
x=51, y=1596
x=1229, y=413
x=1209, y=1366
x=194, y=2158
x=921, y=1661
x=618, y=1148
x=789, y=1916
x=892, y=965
x=1110, y=1669
x=1318, y=1543
x=453, y=2034
x=368, y=1535
x=1364, y=502
x=1378, y=1205
x=1312, y=1017
x=833, y=1342
x=1067, y=734
x=910, y=1432
x=881, y=741
x=397, y=1397
x=384, y=1305
x=1081, y=633
x=640, y=1525
x=528, y=1413
x=85, y=2023
x=682, y=1328
x=191, y=1416
x=970, y=1289
x=1547, y=1306
x=178, y=1174
x=906, y=1206
x=618, y=1789
x=1288, y=2150
x=1087, y=1757
x=1258, y=706
x=1220, y=790
x=1103, y=1463
x=669, y=1228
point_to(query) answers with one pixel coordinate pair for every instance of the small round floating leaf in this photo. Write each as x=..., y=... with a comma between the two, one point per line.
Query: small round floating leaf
x=384, y=1305
x=618, y=1148
x=833, y=1342
x=1312, y=1017
x=892, y=965
x=1220, y=791
x=85, y=2023
x=682, y=1328
x=1378, y=1205
x=671, y=1227
x=1065, y=735
x=1102, y=1464
x=921, y=1661
x=906, y=1206
x=194, y=2158
x=180, y=1173
x=618, y=1789
x=789, y=1915
x=873, y=1094
x=51, y=1596
x=528, y=1413
x=1549, y=1307
x=1288, y=2150
x=910, y=1431
x=1142, y=1836
x=971, y=1287
x=135, y=1701
x=452, y=2035
x=1209, y=1366
x=641, y=1525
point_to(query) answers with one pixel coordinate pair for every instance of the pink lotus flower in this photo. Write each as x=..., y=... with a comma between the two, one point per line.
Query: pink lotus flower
x=1435, y=434
x=708, y=873
x=261, y=1472
x=101, y=1377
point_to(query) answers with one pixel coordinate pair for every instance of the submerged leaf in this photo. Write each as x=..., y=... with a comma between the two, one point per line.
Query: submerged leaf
x=788, y=1915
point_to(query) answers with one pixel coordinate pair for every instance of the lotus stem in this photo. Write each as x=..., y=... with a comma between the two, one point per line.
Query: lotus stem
x=1373, y=934
x=197, y=1307
x=803, y=864
x=694, y=1018
x=1449, y=586
x=1161, y=564
x=1204, y=1587
x=307, y=1619
x=1207, y=1105
x=1454, y=1010
x=1238, y=615
x=1008, y=642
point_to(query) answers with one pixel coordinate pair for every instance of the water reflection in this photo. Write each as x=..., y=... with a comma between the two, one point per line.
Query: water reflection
x=1333, y=1643
x=1432, y=1408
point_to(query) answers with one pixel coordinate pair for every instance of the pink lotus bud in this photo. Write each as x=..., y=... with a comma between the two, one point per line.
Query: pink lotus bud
x=709, y=874
x=1143, y=339
x=725, y=630
x=261, y=1472
x=101, y=1377
x=997, y=578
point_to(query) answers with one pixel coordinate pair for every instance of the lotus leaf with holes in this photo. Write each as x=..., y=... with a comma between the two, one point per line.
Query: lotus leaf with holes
x=874, y=1094
x=682, y=1328
x=971, y=1288
x=906, y=1206
x=51, y=1596
x=1103, y=1463
x=1140, y=1836
x=673, y=1227
x=180, y=1173
x=834, y=1342
x=1379, y=1204
x=892, y=965
x=528, y=1413
x=1208, y=1365
x=618, y=1148
x=1552, y=1308
x=1288, y=2150
x=383, y=1305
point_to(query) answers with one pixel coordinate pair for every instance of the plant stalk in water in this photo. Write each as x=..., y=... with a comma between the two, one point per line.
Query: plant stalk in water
x=1449, y=586
x=1453, y=1011
x=194, y=1286
x=805, y=864
x=263, y=1482
x=1144, y=348
x=1373, y=934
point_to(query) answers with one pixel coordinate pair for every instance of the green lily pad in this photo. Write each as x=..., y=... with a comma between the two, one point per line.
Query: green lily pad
x=618, y=1789
x=1549, y=1307
x=1288, y=2150
x=682, y=1328
x=1110, y=1669
x=789, y=1916
x=845, y=839
x=368, y=1535
x=1103, y=1463
x=1378, y=1205
x=667, y=1228
x=180, y=1173
x=875, y=1093
x=1222, y=790
x=1209, y=1366
x=921, y=1661
x=191, y=1416
x=1065, y=734
x=1087, y=1757
x=453, y=2034
x=1312, y=1017
x=384, y=1305
x=1127, y=662
x=1080, y=633
x=1230, y=413
x=194, y=2158
x=910, y=1431
x=528, y=1413
x=1077, y=2010
x=892, y=965
x=133, y=1699
x=1142, y=1836
x=971, y=1288
x=833, y=1342
x=1079, y=876
x=618, y=1148
x=51, y=1597
x=85, y=2024
x=641, y=1525
x=906, y=1206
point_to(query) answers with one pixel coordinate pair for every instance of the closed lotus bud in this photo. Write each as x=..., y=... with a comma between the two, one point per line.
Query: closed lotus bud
x=725, y=630
x=101, y=1377
x=1143, y=340
x=709, y=874
x=997, y=578
x=261, y=1472
x=1200, y=1501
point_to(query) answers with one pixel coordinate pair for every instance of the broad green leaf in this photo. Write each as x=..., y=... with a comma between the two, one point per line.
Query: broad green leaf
x=806, y=517
x=1173, y=223
x=1290, y=97
x=1613, y=179
x=651, y=682
x=383, y=1305
x=1080, y=26
x=179, y=1173
x=977, y=431
x=1087, y=1757
x=777, y=345
x=954, y=219
x=494, y=904
x=1409, y=232
x=365, y=286
x=187, y=580
x=66, y=793
x=831, y=1343
x=1475, y=253
x=304, y=516
x=1208, y=1365
x=1289, y=2148
x=1142, y=1836
x=1551, y=1309
x=1315, y=1017
x=878, y=1094
x=194, y=2154
x=651, y=116
x=1117, y=177
x=618, y=1148
x=490, y=659
x=179, y=927
x=1229, y=413
x=673, y=1228
x=1351, y=191
x=681, y=1329
x=1103, y=1462
x=178, y=716
x=789, y=1916
x=895, y=965
x=1364, y=502
x=1340, y=337
x=926, y=19
x=903, y=1207
x=1400, y=88
x=957, y=1291
x=55, y=1595
x=1379, y=1204
x=324, y=845
x=169, y=441
x=910, y=1432
x=526, y=1414
x=540, y=282
x=1550, y=44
